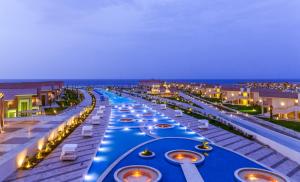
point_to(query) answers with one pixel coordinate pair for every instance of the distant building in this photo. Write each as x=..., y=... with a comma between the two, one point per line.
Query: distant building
x=285, y=105
x=26, y=99
x=158, y=87
x=210, y=91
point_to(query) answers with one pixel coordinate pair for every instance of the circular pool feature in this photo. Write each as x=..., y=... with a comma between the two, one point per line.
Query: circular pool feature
x=137, y=173
x=258, y=175
x=146, y=154
x=164, y=126
x=204, y=147
x=127, y=120
x=207, y=148
x=184, y=156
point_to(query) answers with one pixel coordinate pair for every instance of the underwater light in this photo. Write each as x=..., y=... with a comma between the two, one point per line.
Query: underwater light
x=200, y=138
x=103, y=149
x=89, y=177
x=126, y=129
x=104, y=142
x=107, y=136
x=98, y=159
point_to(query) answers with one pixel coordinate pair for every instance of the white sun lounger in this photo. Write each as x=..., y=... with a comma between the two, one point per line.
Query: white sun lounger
x=178, y=113
x=163, y=106
x=68, y=152
x=203, y=124
x=87, y=131
x=96, y=119
x=153, y=102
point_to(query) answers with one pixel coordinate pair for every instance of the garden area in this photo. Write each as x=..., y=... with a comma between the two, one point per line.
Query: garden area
x=68, y=98
x=181, y=99
x=253, y=110
x=293, y=125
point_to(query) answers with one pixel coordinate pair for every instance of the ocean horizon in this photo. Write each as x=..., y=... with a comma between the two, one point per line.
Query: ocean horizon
x=123, y=82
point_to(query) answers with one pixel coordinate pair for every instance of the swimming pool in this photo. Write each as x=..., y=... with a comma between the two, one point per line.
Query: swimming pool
x=132, y=124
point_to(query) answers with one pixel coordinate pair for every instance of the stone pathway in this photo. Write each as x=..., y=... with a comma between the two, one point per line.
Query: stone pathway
x=53, y=169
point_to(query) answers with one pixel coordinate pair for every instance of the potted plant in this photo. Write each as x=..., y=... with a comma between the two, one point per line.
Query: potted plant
x=146, y=154
x=204, y=146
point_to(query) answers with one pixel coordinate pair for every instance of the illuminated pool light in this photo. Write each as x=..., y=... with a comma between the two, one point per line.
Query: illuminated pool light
x=89, y=177
x=104, y=149
x=98, y=159
x=105, y=142
x=191, y=132
x=126, y=129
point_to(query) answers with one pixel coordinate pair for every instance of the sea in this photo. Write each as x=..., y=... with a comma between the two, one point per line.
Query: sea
x=132, y=82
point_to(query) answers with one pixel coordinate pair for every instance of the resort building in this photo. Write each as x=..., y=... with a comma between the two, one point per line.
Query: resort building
x=26, y=99
x=284, y=105
x=210, y=91
x=240, y=95
x=159, y=88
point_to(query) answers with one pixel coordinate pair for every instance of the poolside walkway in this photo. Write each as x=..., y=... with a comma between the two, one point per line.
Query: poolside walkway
x=53, y=169
x=249, y=148
x=21, y=131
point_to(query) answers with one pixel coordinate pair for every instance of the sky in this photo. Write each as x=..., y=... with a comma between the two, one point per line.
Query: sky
x=167, y=39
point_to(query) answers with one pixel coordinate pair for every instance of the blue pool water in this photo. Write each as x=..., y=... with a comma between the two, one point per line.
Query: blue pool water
x=219, y=165
x=120, y=137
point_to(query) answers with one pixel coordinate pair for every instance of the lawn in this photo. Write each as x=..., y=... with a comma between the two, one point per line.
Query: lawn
x=181, y=99
x=253, y=110
x=293, y=125
x=70, y=98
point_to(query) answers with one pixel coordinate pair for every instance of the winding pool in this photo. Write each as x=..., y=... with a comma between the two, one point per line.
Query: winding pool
x=120, y=137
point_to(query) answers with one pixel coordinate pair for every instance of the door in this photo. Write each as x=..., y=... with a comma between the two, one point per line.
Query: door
x=43, y=100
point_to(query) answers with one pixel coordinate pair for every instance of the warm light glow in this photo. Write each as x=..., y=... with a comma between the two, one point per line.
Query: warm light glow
x=137, y=174
x=282, y=104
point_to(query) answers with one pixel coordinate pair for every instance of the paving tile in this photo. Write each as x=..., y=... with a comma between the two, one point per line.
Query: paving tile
x=272, y=160
x=10, y=130
x=40, y=129
x=287, y=166
x=16, y=140
x=296, y=176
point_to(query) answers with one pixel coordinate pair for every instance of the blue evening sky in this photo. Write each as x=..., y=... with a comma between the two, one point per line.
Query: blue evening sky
x=105, y=39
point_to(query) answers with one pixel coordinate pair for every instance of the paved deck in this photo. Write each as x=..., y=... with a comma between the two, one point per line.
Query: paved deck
x=250, y=148
x=53, y=169
x=21, y=131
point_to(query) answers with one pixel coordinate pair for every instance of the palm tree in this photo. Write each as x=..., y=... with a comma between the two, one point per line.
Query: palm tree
x=271, y=112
